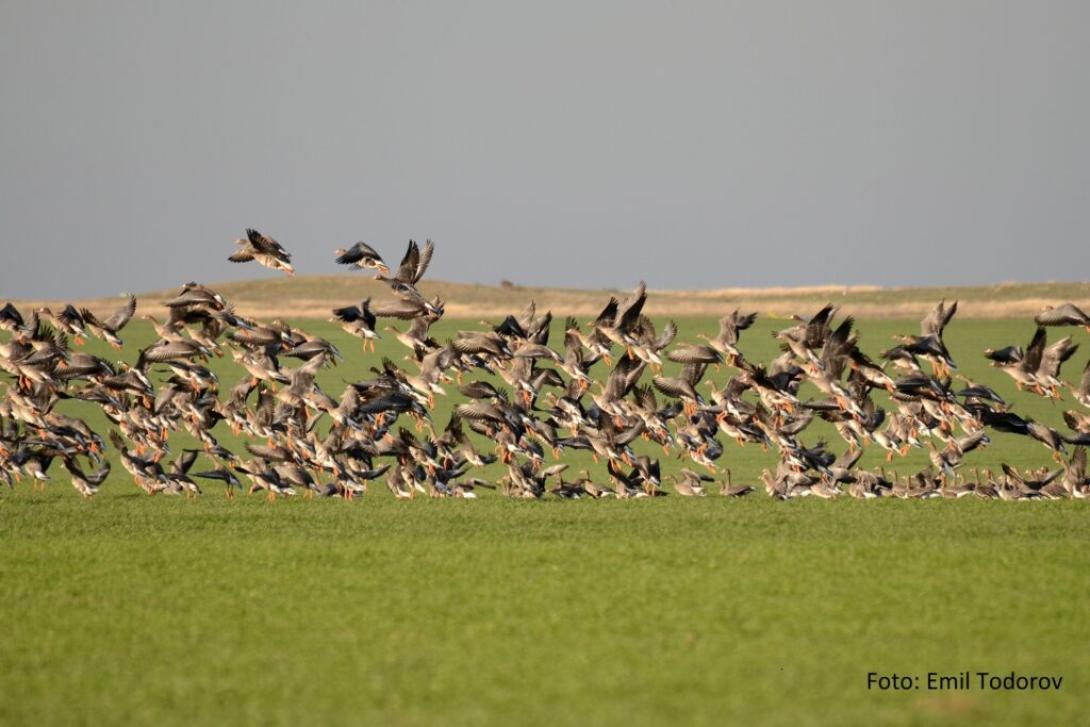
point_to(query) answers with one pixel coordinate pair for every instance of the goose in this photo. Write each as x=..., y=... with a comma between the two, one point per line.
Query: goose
x=695, y=354
x=1037, y=368
x=358, y=321
x=683, y=386
x=314, y=347
x=262, y=477
x=1067, y=314
x=730, y=331
x=1082, y=392
x=619, y=328
x=691, y=484
x=728, y=488
x=263, y=249
x=363, y=256
x=177, y=477
x=1075, y=481
x=108, y=329
x=415, y=338
x=412, y=268
x=224, y=475
x=1047, y=436
x=68, y=320
x=646, y=344
x=11, y=319
x=929, y=345
x=594, y=343
x=1053, y=358
x=406, y=308
x=1077, y=422
x=261, y=364
x=165, y=350
x=196, y=295
x=574, y=489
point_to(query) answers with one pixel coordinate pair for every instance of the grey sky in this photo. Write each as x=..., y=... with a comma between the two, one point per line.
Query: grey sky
x=581, y=144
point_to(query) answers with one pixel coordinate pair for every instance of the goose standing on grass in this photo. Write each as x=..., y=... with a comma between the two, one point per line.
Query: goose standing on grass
x=691, y=484
x=108, y=329
x=729, y=489
x=265, y=250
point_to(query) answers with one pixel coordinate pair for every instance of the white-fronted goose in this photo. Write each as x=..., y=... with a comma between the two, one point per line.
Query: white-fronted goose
x=1067, y=314
x=362, y=255
x=266, y=251
x=108, y=329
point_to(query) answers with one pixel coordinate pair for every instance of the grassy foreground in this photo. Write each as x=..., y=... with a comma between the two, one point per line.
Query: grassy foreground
x=130, y=609
x=133, y=610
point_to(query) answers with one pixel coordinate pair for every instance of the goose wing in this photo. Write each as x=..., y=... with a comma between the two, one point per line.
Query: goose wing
x=675, y=388
x=608, y=314
x=1055, y=355
x=185, y=461
x=732, y=324
x=10, y=317
x=818, y=327
x=935, y=322
x=423, y=260
x=669, y=333
x=480, y=410
x=693, y=354
x=629, y=314
x=409, y=263
x=401, y=309
x=1035, y=351
x=267, y=245
x=120, y=318
x=1067, y=314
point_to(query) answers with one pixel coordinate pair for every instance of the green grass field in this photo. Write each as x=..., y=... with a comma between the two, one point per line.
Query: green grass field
x=132, y=609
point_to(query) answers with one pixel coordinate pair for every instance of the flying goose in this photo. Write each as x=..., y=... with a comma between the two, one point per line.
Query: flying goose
x=358, y=321
x=108, y=329
x=1038, y=367
x=68, y=320
x=730, y=331
x=363, y=256
x=412, y=268
x=1082, y=393
x=1067, y=314
x=263, y=249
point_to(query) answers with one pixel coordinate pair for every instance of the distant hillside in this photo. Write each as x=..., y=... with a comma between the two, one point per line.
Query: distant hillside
x=313, y=296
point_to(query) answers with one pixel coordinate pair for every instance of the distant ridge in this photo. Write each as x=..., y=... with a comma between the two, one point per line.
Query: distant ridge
x=313, y=296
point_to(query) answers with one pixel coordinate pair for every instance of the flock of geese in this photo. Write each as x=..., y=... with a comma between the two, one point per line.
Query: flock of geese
x=534, y=399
